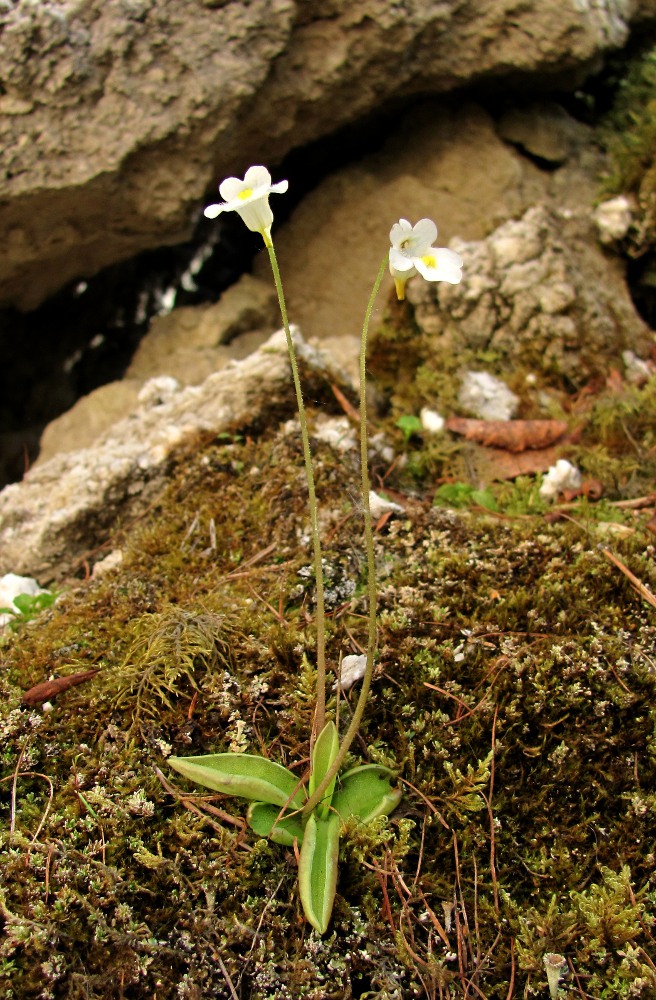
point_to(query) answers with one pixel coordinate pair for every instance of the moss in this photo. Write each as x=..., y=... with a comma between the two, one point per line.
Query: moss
x=514, y=690
x=630, y=136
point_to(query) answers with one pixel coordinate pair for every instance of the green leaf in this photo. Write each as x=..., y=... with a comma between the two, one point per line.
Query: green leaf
x=266, y=821
x=366, y=792
x=409, y=425
x=317, y=869
x=245, y=775
x=324, y=753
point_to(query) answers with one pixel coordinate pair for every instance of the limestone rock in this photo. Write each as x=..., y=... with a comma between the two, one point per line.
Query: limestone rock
x=487, y=397
x=442, y=161
x=182, y=348
x=613, y=218
x=543, y=129
x=88, y=418
x=540, y=294
x=117, y=116
x=191, y=342
x=65, y=507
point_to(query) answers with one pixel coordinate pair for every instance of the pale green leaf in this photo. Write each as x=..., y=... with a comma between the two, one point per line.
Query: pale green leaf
x=323, y=754
x=366, y=792
x=266, y=821
x=317, y=869
x=244, y=775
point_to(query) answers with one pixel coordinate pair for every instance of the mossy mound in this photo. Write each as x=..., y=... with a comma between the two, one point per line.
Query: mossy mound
x=514, y=692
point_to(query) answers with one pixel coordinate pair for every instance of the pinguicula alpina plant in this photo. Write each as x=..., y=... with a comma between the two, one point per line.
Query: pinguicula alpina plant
x=287, y=809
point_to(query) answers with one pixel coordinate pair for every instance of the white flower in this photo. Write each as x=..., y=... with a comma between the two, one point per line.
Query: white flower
x=412, y=253
x=250, y=198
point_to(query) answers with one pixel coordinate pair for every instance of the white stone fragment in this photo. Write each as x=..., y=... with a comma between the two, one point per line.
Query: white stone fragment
x=12, y=586
x=561, y=476
x=487, y=397
x=337, y=432
x=158, y=390
x=613, y=218
x=379, y=506
x=431, y=421
x=353, y=668
x=111, y=561
x=637, y=370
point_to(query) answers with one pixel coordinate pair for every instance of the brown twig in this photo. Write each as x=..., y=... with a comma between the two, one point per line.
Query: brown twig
x=644, y=591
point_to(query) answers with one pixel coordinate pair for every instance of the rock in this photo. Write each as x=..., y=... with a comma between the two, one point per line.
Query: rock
x=66, y=506
x=444, y=162
x=192, y=342
x=119, y=115
x=12, y=586
x=431, y=421
x=182, y=348
x=543, y=129
x=540, y=294
x=487, y=397
x=613, y=218
x=560, y=477
x=88, y=418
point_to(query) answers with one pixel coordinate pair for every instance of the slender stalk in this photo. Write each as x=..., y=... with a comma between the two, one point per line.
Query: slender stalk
x=320, y=711
x=371, y=564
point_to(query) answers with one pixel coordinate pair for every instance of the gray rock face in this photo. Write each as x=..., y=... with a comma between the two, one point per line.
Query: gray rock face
x=65, y=507
x=117, y=116
x=539, y=293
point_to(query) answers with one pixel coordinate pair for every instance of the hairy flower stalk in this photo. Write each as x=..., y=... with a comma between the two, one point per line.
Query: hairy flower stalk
x=250, y=199
x=320, y=711
x=371, y=564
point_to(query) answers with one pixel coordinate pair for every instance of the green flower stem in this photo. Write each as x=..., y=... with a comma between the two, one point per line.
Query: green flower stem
x=351, y=732
x=320, y=712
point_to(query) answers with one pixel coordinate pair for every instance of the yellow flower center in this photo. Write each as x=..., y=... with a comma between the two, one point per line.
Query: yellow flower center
x=245, y=194
x=429, y=260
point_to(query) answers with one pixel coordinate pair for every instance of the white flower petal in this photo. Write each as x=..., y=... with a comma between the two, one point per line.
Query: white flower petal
x=212, y=211
x=400, y=261
x=439, y=265
x=279, y=187
x=256, y=214
x=424, y=232
x=229, y=188
x=399, y=232
x=256, y=177
x=447, y=258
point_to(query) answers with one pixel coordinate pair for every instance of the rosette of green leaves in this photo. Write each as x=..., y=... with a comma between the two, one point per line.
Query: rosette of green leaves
x=276, y=811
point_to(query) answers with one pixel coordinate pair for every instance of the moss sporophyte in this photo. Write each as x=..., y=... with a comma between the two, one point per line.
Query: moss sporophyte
x=284, y=807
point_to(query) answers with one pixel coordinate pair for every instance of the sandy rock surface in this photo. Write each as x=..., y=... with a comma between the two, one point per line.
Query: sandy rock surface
x=63, y=507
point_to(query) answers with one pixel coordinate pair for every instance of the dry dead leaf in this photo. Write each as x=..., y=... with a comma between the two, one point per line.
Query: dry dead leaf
x=495, y=463
x=50, y=689
x=511, y=435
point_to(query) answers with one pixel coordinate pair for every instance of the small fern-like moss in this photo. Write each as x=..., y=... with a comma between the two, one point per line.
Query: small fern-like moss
x=168, y=649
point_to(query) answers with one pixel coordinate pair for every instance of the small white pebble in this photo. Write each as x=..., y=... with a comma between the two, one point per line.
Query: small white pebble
x=431, y=421
x=613, y=218
x=560, y=477
x=353, y=668
x=379, y=506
